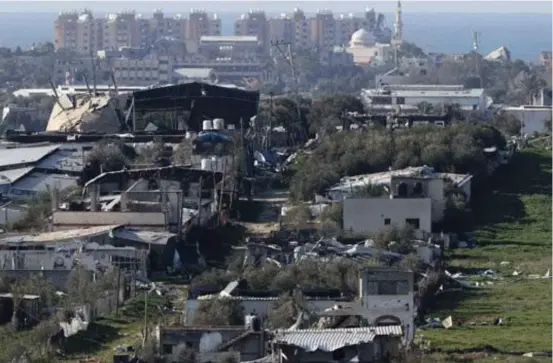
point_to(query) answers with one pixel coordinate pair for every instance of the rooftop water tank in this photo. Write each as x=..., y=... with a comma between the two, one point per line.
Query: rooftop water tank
x=206, y=164
x=218, y=124
x=207, y=125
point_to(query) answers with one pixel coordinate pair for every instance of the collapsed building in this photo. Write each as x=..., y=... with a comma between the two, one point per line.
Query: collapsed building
x=88, y=113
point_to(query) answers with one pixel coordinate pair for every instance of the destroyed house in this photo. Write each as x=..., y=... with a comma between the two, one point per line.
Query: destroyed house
x=209, y=343
x=202, y=101
x=158, y=199
x=260, y=303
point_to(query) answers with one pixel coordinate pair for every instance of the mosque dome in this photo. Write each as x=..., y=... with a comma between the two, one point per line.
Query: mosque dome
x=362, y=38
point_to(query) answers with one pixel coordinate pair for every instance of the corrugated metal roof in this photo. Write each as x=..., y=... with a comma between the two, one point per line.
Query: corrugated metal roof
x=37, y=182
x=65, y=160
x=24, y=155
x=59, y=235
x=14, y=175
x=329, y=340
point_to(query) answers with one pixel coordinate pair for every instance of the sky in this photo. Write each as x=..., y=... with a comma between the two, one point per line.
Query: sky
x=481, y=6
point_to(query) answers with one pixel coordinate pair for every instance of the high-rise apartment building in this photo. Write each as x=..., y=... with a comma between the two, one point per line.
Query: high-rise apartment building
x=323, y=29
x=303, y=29
x=254, y=23
x=200, y=24
x=345, y=26
x=282, y=29
x=82, y=33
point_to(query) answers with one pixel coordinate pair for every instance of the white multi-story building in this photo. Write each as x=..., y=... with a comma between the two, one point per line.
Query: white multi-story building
x=468, y=99
x=143, y=72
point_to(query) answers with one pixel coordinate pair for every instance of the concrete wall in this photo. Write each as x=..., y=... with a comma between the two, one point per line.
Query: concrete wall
x=532, y=118
x=368, y=215
x=433, y=188
x=58, y=278
x=206, y=340
x=72, y=219
x=9, y=215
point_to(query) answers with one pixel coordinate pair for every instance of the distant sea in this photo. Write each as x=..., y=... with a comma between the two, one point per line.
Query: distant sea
x=525, y=35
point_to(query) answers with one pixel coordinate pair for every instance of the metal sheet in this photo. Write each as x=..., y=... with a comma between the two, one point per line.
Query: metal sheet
x=329, y=340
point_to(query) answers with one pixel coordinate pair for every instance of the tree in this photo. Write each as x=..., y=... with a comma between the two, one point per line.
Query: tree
x=80, y=287
x=547, y=123
x=425, y=108
x=183, y=152
x=335, y=109
x=110, y=156
x=457, y=148
x=286, y=310
x=219, y=311
x=507, y=123
x=530, y=85
x=156, y=154
x=297, y=216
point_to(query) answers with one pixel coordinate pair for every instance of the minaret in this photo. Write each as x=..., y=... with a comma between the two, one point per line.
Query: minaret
x=398, y=26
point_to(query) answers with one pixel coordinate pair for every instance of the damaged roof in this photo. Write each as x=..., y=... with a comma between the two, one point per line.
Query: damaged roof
x=329, y=340
x=59, y=235
x=149, y=237
x=86, y=113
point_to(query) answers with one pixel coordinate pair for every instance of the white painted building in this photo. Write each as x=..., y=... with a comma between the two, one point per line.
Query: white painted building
x=467, y=99
x=412, y=182
x=370, y=215
x=532, y=117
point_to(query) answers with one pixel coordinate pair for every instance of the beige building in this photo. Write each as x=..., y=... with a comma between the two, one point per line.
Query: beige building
x=82, y=33
x=323, y=29
x=366, y=51
x=200, y=23
x=254, y=23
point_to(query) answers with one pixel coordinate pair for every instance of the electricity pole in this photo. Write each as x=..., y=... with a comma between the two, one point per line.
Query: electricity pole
x=288, y=57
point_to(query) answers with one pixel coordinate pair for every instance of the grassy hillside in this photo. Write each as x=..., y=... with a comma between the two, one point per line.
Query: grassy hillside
x=513, y=224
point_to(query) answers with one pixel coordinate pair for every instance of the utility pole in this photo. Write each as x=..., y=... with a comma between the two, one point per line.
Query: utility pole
x=475, y=45
x=270, y=121
x=288, y=57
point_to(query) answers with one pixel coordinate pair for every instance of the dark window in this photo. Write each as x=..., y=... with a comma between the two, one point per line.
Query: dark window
x=387, y=221
x=401, y=100
x=475, y=107
x=415, y=222
x=167, y=349
x=390, y=287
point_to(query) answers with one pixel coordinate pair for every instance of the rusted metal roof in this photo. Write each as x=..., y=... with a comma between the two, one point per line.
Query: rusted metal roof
x=329, y=340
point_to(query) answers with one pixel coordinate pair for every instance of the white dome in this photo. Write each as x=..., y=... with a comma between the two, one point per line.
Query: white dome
x=362, y=38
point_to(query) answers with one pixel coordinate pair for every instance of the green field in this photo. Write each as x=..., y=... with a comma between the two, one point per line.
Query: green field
x=513, y=224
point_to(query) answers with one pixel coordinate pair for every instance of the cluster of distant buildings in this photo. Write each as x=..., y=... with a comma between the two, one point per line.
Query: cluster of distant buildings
x=161, y=49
